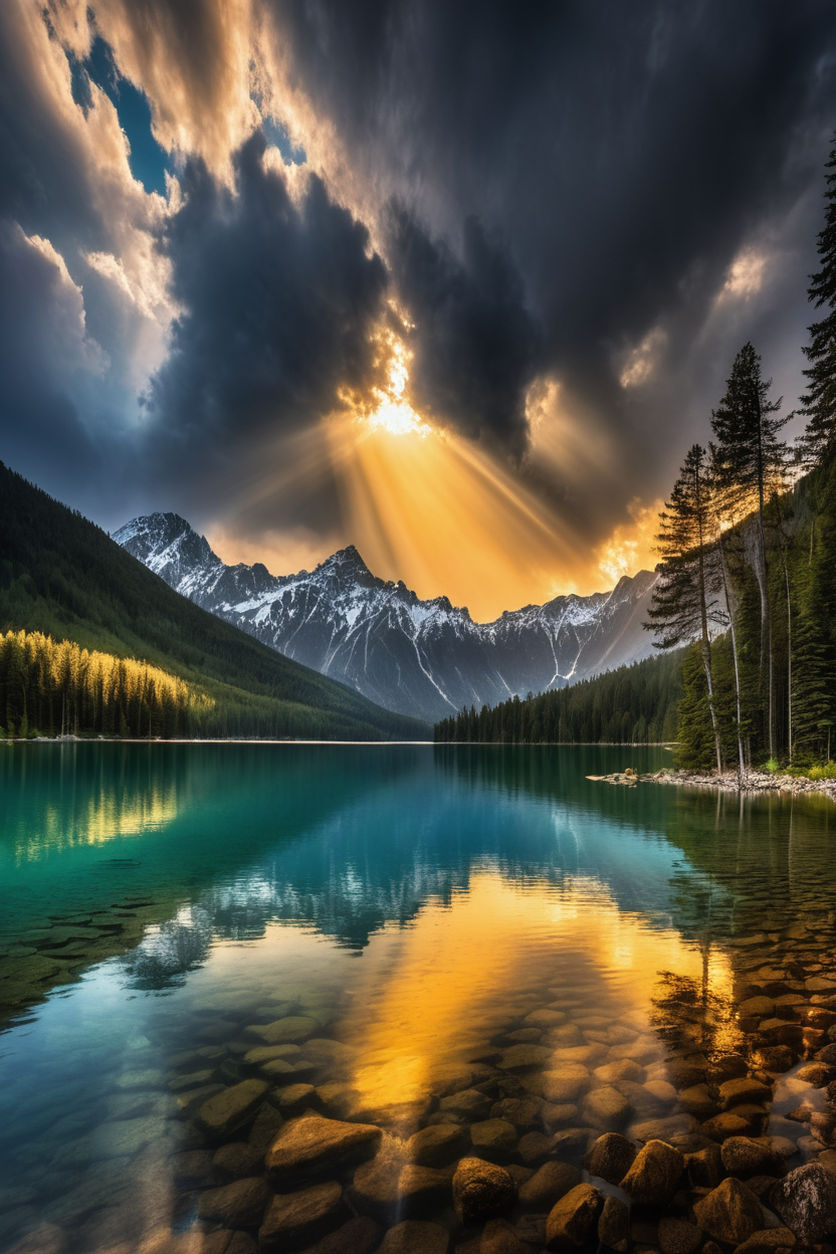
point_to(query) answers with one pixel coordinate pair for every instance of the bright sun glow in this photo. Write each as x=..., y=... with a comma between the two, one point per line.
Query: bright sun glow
x=393, y=412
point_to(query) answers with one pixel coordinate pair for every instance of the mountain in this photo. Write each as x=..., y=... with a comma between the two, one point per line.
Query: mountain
x=62, y=575
x=425, y=658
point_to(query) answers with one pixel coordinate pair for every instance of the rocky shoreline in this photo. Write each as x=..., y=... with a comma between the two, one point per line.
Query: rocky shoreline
x=753, y=781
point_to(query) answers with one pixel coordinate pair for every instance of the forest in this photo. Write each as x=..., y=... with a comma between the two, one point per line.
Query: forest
x=62, y=576
x=747, y=588
x=61, y=689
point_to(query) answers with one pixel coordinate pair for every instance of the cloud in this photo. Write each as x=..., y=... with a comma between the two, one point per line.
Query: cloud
x=45, y=352
x=281, y=301
x=474, y=343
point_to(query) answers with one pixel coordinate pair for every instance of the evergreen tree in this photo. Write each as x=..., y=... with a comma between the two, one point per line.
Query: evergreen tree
x=684, y=603
x=819, y=402
x=749, y=466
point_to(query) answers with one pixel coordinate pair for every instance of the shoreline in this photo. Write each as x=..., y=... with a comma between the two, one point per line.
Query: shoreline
x=754, y=782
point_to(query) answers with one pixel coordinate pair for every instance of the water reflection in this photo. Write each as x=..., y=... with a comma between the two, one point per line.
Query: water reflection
x=423, y=909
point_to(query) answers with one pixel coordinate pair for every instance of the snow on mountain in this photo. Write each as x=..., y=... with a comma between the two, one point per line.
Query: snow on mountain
x=424, y=658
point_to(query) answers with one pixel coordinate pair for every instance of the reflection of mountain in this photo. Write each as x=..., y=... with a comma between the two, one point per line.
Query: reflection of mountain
x=350, y=840
x=420, y=834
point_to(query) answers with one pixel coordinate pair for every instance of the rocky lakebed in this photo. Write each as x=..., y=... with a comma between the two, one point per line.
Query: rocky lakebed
x=568, y=1131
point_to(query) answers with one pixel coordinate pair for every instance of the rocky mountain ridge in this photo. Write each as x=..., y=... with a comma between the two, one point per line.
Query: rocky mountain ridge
x=427, y=658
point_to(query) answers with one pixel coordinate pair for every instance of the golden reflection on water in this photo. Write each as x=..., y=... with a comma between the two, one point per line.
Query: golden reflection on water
x=437, y=991
x=100, y=816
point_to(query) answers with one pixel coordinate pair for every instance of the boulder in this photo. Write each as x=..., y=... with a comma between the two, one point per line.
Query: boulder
x=482, y=1190
x=231, y=1109
x=610, y=1157
x=654, y=1174
x=295, y=1219
x=313, y=1145
x=573, y=1220
x=730, y=1213
x=806, y=1201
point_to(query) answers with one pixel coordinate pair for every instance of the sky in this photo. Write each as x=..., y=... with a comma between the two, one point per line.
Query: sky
x=456, y=283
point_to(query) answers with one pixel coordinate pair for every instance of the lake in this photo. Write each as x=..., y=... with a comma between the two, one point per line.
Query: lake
x=476, y=944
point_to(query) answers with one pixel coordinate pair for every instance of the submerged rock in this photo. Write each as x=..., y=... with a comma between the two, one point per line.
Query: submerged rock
x=237, y=1205
x=232, y=1108
x=437, y=1144
x=313, y=1145
x=415, y=1236
x=548, y=1184
x=610, y=1157
x=295, y=1219
x=744, y=1156
x=806, y=1201
x=653, y=1176
x=614, y=1225
x=482, y=1190
x=730, y=1213
x=572, y=1221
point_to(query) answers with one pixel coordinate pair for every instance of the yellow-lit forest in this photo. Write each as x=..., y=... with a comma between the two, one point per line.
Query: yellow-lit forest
x=50, y=689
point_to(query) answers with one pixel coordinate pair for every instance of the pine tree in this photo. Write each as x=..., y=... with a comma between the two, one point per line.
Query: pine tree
x=819, y=402
x=749, y=466
x=684, y=603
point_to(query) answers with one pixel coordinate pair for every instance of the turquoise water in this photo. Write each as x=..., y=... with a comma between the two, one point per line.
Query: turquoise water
x=160, y=904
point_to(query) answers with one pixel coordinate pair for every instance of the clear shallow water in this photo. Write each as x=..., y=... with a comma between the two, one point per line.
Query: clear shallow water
x=159, y=905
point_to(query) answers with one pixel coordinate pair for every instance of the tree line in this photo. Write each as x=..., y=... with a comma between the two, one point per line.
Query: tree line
x=53, y=688
x=631, y=705
x=747, y=583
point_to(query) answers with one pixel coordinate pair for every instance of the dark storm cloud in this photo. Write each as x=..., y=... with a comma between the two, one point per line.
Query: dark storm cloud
x=280, y=303
x=42, y=347
x=476, y=345
x=625, y=152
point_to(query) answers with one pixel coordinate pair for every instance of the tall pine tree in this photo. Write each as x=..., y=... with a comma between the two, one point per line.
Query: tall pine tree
x=819, y=402
x=684, y=602
x=750, y=465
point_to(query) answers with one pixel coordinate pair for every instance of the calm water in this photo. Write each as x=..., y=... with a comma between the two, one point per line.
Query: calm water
x=422, y=909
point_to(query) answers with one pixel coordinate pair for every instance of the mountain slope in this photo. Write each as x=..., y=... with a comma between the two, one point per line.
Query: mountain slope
x=424, y=657
x=62, y=575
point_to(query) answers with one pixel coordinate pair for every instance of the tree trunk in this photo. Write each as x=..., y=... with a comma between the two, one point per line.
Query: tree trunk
x=741, y=766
